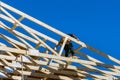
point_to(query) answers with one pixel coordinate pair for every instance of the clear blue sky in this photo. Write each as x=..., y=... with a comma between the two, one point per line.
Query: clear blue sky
x=95, y=22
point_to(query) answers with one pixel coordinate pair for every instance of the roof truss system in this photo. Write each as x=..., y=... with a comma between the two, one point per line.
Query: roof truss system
x=28, y=52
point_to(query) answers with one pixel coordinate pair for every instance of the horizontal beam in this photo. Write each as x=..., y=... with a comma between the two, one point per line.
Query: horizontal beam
x=45, y=70
x=24, y=52
x=38, y=75
x=54, y=68
x=79, y=61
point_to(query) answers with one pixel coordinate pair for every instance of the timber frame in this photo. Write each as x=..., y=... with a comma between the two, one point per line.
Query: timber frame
x=21, y=60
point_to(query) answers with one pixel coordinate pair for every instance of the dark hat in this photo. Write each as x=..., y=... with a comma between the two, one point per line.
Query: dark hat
x=72, y=35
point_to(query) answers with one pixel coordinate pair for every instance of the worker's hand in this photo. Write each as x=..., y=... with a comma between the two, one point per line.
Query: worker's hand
x=74, y=57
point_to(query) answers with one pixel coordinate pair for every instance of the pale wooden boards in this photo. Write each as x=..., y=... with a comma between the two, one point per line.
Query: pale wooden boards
x=22, y=54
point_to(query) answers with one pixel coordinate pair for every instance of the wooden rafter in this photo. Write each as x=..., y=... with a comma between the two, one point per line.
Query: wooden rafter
x=53, y=64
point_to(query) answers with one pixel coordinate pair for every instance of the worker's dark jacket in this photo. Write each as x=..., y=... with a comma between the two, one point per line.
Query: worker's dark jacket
x=68, y=49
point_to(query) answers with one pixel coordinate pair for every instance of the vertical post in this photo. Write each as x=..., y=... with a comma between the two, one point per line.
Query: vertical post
x=62, y=47
x=22, y=76
x=61, y=50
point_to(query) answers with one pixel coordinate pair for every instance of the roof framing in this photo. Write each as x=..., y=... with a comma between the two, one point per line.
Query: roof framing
x=29, y=62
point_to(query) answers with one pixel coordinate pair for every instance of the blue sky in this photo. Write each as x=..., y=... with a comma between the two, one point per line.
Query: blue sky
x=95, y=22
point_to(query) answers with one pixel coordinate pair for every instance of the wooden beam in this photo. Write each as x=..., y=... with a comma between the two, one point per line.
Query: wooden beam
x=103, y=54
x=28, y=31
x=86, y=63
x=15, y=25
x=13, y=41
x=53, y=57
x=2, y=44
x=92, y=58
x=34, y=31
x=51, y=69
x=19, y=34
x=38, y=75
x=105, y=72
x=42, y=24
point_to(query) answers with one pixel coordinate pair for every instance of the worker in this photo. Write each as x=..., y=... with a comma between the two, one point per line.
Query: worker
x=68, y=46
x=68, y=49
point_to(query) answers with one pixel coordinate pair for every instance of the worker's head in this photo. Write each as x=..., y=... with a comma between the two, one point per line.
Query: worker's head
x=72, y=35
